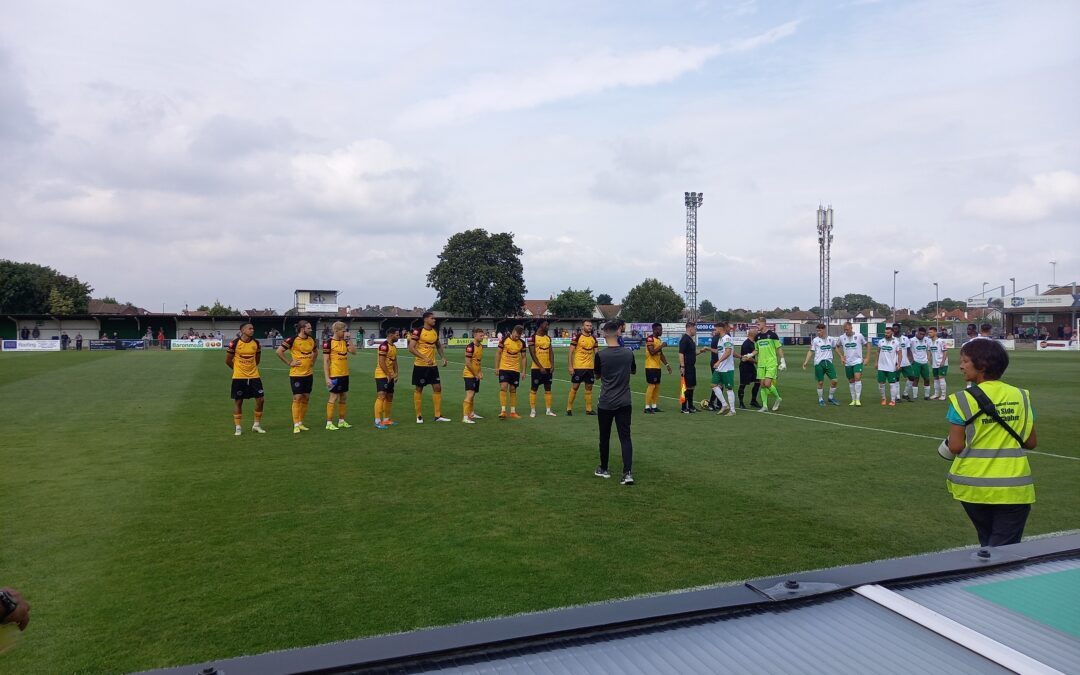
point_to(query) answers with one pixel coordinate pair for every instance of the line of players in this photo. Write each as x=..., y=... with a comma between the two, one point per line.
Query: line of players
x=761, y=358
x=924, y=356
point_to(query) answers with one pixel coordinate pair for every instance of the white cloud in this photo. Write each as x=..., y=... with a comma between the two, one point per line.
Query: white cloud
x=1045, y=195
x=566, y=79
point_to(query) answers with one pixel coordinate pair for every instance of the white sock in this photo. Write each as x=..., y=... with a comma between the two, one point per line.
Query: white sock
x=731, y=399
x=832, y=393
x=718, y=391
x=926, y=390
x=895, y=391
x=851, y=389
x=943, y=387
x=340, y=420
x=819, y=393
x=881, y=387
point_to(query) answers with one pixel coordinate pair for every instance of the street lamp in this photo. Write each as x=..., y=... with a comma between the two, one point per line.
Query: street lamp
x=894, y=273
x=937, y=308
x=1013, y=280
x=985, y=284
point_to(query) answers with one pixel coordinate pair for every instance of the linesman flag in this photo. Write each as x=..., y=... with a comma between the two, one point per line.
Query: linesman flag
x=682, y=390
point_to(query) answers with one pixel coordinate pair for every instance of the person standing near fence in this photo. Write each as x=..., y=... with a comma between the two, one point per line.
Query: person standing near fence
x=614, y=366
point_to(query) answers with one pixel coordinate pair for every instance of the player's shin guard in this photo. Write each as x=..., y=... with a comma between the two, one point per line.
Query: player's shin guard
x=832, y=393
x=330, y=408
x=378, y=410
x=649, y=391
x=387, y=405
x=436, y=399
x=718, y=392
x=570, y=399
x=731, y=399
x=820, y=394
x=775, y=392
x=895, y=391
x=532, y=400
x=341, y=411
x=503, y=395
x=881, y=388
x=295, y=412
x=588, y=400
x=418, y=403
x=547, y=399
x=513, y=401
x=466, y=408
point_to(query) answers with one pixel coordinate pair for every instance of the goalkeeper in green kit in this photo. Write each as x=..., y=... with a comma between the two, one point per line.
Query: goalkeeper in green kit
x=770, y=360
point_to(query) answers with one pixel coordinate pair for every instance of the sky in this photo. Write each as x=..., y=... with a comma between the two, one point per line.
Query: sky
x=174, y=153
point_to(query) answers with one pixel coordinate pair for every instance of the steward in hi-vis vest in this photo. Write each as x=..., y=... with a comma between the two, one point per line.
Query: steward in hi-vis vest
x=992, y=423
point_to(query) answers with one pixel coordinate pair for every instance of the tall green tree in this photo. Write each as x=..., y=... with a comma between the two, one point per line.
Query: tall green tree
x=26, y=288
x=603, y=299
x=59, y=303
x=707, y=310
x=946, y=304
x=572, y=304
x=479, y=274
x=855, y=302
x=218, y=309
x=652, y=300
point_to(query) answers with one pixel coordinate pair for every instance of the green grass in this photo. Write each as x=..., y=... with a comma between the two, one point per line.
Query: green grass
x=146, y=535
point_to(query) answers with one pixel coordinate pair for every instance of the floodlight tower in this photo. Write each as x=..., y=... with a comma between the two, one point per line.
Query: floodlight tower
x=824, y=237
x=693, y=201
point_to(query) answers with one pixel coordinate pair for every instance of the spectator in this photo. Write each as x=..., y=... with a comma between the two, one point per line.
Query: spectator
x=64, y=340
x=78, y=342
x=14, y=608
x=35, y=333
x=161, y=338
x=24, y=333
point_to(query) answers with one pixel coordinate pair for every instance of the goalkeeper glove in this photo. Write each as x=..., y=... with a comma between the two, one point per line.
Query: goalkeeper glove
x=783, y=363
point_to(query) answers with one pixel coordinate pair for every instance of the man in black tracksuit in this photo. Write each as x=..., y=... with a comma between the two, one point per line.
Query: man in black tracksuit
x=614, y=366
x=748, y=370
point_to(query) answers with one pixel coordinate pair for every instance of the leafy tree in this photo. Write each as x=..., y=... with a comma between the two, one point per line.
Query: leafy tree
x=815, y=310
x=603, y=299
x=26, y=288
x=218, y=309
x=110, y=299
x=652, y=300
x=855, y=302
x=572, y=304
x=60, y=303
x=707, y=310
x=479, y=274
x=946, y=304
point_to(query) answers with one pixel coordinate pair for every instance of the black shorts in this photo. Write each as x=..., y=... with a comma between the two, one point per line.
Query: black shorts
x=472, y=384
x=339, y=384
x=251, y=388
x=384, y=385
x=302, y=384
x=425, y=375
x=747, y=372
x=511, y=377
x=652, y=376
x=541, y=379
x=690, y=377
x=582, y=375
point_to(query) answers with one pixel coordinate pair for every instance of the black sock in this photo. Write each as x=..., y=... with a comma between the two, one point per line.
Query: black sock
x=754, y=394
x=742, y=392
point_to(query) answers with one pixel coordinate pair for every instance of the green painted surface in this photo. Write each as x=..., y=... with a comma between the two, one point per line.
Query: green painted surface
x=1052, y=599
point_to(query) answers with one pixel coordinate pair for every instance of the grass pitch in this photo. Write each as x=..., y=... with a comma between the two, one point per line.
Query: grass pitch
x=146, y=535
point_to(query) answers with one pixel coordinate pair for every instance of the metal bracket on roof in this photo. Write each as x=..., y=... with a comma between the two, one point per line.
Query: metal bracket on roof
x=792, y=588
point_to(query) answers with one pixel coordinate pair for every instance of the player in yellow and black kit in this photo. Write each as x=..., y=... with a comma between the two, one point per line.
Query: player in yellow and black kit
x=542, y=367
x=336, y=352
x=510, y=364
x=386, y=376
x=654, y=358
x=423, y=343
x=242, y=356
x=301, y=361
x=582, y=353
x=473, y=373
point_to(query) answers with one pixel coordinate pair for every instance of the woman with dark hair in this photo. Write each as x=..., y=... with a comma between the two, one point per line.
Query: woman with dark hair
x=991, y=424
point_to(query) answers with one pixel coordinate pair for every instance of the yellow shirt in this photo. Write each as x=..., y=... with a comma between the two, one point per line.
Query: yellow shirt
x=511, y=353
x=426, y=339
x=474, y=353
x=389, y=354
x=339, y=356
x=652, y=361
x=244, y=354
x=302, y=350
x=542, y=343
x=585, y=350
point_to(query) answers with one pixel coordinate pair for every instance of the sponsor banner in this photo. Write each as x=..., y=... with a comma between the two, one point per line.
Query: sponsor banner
x=190, y=345
x=1009, y=345
x=320, y=308
x=31, y=345
x=373, y=343
x=459, y=342
x=1057, y=345
x=633, y=343
x=1040, y=301
x=1036, y=318
x=950, y=343
x=560, y=342
x=642, y=328
x=113, y=345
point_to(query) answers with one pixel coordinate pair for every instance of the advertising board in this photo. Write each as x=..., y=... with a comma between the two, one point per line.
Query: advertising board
x=1057, y=345
x=31, y=345
x=193, y=345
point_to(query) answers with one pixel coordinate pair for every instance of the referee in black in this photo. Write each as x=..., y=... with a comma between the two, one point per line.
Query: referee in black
x=688, y=351
x=748, y=370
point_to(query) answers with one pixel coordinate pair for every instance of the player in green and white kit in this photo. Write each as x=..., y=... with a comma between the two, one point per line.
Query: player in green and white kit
x=905, y=362
x=849, y=346
x=723, y=376
x=821, y=348
x=939, y=362
x=770, y=360
x=888, y=368
x=920, y=362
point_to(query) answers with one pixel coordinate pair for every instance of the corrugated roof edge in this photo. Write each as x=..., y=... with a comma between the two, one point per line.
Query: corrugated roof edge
x=384, y=651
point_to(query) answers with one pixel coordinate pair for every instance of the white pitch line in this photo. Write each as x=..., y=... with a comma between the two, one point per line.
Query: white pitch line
x=794, y=417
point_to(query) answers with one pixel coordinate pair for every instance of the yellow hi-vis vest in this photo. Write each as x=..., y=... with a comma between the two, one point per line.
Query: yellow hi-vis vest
x=993, y=469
